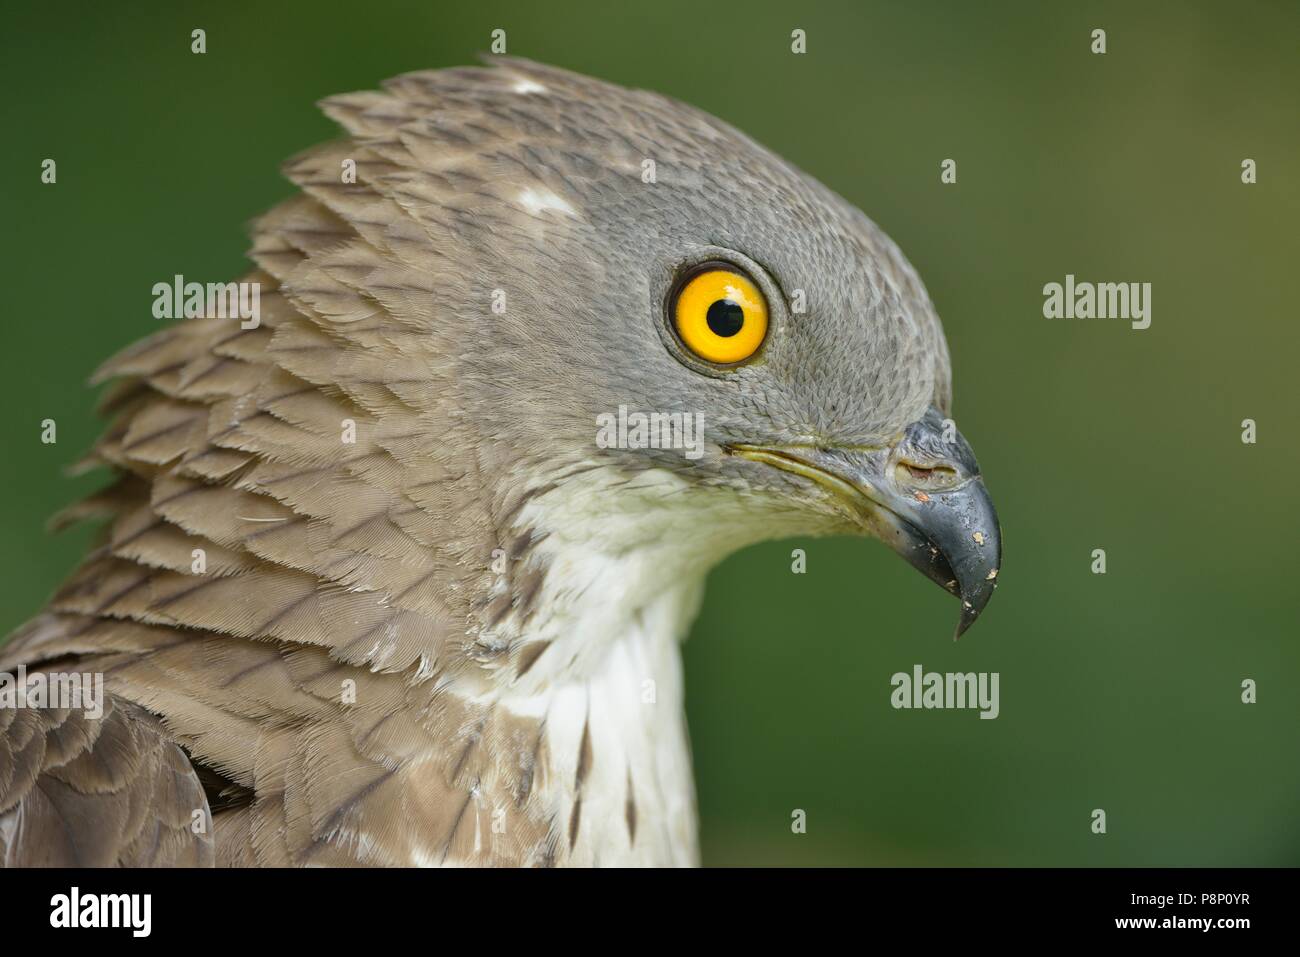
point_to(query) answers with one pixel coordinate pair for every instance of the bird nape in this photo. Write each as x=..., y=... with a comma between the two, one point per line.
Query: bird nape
x=382, y=581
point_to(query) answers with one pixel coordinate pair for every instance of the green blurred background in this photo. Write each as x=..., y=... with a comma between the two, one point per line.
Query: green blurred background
x=1118, y=691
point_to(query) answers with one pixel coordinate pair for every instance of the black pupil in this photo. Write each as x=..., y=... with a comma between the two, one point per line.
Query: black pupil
x=725, y=318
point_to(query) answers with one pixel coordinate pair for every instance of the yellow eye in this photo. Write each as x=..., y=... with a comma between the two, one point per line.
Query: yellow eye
x=720, y=315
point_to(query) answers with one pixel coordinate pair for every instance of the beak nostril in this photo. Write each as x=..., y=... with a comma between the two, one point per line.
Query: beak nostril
x=936, y=476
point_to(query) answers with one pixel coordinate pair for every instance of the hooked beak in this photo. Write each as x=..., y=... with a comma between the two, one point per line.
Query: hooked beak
x=922, y=496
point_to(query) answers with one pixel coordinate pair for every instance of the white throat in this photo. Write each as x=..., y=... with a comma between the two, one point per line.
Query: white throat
x=625, y=559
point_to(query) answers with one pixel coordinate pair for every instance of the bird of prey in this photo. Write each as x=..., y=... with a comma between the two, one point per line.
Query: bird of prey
x=370, y=590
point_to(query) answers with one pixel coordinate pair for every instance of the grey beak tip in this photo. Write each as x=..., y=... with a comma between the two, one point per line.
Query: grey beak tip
x=974, y=601
x=965, y=621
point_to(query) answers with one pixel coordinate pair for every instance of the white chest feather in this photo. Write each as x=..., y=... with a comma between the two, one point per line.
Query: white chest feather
x=620, y=769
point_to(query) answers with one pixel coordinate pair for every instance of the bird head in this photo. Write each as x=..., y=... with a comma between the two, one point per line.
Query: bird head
x=651, y=308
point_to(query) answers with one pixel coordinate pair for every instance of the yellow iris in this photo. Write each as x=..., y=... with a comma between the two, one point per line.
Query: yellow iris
x=721, y=316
